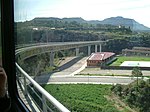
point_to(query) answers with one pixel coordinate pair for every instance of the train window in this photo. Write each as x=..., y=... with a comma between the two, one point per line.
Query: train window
x=0, y=39
x=30, y=58
x=53, y=40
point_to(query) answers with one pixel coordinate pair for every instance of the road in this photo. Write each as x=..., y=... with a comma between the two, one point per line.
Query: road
x=88, y=80
x=73, y=66
x=26, y=47
x=110, y=72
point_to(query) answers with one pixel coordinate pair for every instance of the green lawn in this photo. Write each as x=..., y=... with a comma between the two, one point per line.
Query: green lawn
x=82, y=98
x=121, y=59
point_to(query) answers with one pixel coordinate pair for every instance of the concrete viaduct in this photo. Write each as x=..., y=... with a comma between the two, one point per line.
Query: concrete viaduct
x=39, y=48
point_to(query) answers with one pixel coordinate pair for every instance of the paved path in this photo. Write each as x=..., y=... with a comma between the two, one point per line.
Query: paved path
x=76, y=65
x=71, y=66
x=110, y=72
x=90, y=80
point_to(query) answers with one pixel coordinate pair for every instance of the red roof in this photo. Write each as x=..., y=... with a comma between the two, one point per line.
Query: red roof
x=100, y=55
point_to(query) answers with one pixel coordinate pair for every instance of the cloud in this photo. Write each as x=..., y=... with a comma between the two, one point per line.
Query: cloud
x=88, y=9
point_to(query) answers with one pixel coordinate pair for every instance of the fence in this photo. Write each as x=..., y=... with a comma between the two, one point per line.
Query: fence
x=42, y=99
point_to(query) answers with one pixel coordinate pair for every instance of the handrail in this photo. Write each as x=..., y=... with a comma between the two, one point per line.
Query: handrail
x=57, y=104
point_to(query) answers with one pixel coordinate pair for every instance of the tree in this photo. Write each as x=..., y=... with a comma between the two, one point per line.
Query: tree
x=117, y=89
x=136, y=72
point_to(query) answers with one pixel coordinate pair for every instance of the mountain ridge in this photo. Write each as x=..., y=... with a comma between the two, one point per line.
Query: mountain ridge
x=116, y=21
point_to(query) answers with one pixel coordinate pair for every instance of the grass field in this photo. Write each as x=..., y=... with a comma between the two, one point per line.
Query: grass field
x=83, y=98
x=121, y=59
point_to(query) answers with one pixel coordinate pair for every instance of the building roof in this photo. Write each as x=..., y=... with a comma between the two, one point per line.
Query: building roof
x=135, y=51
x=141, y=48
x=100, y=55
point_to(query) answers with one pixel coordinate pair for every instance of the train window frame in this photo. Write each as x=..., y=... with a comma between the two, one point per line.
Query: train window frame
x=8, y=53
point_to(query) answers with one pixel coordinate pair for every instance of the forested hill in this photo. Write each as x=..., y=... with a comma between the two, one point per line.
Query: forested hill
x=68, y=30
x=116, y=21
x=135, y=26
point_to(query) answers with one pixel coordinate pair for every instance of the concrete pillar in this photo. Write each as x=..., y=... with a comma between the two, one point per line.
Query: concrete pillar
x=89, y=50
x=52, y=58
x=77, y=51
x=95, y=48
x=100, y=48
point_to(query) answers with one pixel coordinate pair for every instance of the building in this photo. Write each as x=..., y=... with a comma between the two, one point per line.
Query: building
x=138, y=51
x=100, y=58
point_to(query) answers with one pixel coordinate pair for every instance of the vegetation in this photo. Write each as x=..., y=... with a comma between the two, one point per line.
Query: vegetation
x=136, y=72
x=83, y=98
x=36, y=65
x=60, y=31
x=112, y=45
x=121, y=59
x=86, y=98
x=40, y=64
x=135, y=98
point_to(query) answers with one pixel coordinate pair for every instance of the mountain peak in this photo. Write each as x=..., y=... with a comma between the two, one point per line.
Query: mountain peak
x=116, y=21
x=77, y=19
x=127, y=22
x=119, y=17
x=73, y=18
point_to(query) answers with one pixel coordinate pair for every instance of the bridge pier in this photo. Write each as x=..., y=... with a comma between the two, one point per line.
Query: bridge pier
x=89, y=50
x=22, y=53
x=95, y=48
x=52, y=58
x=100, y=47
x=77, y=51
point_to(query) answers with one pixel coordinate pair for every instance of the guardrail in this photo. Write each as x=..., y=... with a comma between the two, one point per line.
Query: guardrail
x=25, y=82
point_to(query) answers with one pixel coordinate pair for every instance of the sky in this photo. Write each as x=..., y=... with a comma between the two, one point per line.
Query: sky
x=87, y=9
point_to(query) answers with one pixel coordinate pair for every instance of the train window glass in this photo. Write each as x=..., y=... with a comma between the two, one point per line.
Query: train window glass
x=30, y=62
x=119, y=29
x=21, y=35
x=0, y=40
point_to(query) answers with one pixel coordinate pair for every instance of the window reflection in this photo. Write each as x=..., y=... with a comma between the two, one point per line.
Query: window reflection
x=0, y=39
